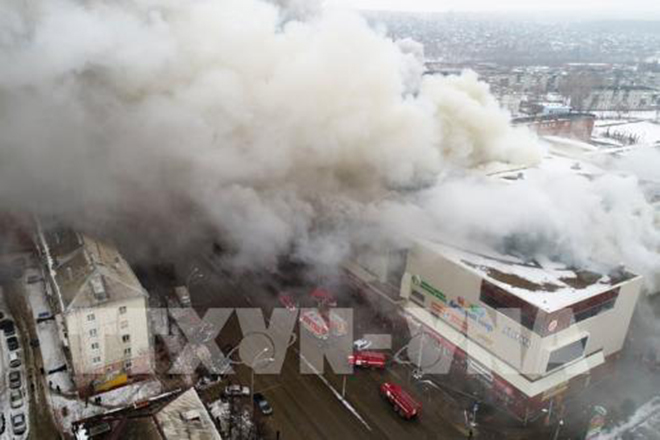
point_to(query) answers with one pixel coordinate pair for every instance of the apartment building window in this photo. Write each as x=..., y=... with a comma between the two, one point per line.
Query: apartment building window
x=95, y=345
x=123, y=324
x=93, y=333
x=126, y=338
x=417, y=298
x=127, y=351
x=128, y=365
x=96, y=359
x=91, y=317
x=122, y=310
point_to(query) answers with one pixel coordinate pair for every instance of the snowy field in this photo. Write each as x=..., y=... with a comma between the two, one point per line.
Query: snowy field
x=645, y=132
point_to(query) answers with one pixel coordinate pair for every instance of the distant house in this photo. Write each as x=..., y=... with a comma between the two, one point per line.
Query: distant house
x=101, y=309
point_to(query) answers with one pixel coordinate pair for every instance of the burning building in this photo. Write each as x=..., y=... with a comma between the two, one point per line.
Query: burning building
x=527, y=332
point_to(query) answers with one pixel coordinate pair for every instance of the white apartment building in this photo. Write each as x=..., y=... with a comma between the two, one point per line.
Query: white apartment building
x=622, y=98
x=101, y=309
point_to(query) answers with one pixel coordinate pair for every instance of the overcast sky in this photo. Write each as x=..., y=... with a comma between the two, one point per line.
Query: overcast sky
x=632, y=7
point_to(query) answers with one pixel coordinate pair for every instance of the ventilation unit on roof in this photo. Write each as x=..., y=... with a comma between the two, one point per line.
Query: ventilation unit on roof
x=99, y=288
x=192, y=415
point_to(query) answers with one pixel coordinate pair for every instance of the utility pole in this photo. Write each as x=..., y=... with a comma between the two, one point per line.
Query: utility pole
x=559, y=425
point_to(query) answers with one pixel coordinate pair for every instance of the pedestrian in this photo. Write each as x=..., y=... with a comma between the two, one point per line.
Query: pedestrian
x=470, y=434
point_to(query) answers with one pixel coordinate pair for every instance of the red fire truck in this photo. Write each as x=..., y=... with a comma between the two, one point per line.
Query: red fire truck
x=403, y=403
x=287, y=301
x=369, y=359
x=313, y=322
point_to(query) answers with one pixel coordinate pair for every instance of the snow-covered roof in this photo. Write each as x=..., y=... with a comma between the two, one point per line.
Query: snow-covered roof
x=548, y=285
x=89, y=272
x=187, y=418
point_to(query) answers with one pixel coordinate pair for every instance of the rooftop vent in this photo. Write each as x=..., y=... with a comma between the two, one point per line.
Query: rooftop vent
x=99, y=288
x=191, y=415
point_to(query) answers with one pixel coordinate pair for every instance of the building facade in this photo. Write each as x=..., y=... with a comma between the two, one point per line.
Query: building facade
x=101, y=310
x=523, y=331
x=622, y=98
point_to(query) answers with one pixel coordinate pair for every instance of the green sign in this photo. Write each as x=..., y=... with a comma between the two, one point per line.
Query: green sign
x=418, y=281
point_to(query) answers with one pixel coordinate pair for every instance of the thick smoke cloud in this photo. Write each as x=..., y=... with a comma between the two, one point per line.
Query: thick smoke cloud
x=274, y=128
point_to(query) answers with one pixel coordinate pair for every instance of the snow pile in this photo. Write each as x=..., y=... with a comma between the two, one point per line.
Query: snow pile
x=645, y=423
x=129, y=394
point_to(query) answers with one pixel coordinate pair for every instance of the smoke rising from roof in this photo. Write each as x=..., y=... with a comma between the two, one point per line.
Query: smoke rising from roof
x=171, y=121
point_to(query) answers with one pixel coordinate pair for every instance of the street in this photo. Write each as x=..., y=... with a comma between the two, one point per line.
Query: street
x=304, y=405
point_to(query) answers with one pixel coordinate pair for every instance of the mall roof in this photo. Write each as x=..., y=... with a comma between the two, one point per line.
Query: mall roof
x=548, y=285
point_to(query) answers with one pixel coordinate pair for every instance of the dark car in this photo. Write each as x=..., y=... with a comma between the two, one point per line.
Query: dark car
x=263, y=404
x=14, y=379
x=12, y=343
x=7, y=325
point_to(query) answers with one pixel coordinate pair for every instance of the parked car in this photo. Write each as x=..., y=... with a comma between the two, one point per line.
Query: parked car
x=362, y=344
x=12, y=343
x=7, y=325
x=14, y=379
x=16, y=398
x=18, y=424
x=237, y=390
x=263, y=404
x=370, y=359
x=14, y=359
x=44, y=316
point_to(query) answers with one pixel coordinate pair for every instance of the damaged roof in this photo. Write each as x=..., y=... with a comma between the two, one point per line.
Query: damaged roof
x=549, y=285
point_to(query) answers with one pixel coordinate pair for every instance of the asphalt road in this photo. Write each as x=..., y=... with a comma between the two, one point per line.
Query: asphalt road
x=304, y=405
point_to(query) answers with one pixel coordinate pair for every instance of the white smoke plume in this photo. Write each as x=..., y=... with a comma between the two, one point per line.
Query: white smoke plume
x=275, y=128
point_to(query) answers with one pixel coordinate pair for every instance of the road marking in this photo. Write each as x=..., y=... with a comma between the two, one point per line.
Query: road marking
x=272, y=387
x=336, y=393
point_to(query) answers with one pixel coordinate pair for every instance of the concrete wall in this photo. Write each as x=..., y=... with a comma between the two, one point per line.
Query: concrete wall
x=110, y=325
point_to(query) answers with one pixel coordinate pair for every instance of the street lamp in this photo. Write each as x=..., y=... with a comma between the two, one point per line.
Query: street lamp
x=418, y=371
x=559, y=425
x=195, y=272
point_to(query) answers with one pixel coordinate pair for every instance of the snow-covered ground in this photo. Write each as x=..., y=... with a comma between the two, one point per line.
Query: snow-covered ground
x=643, y=425
x=5, y=407
x=641, y=114
x=644, y=132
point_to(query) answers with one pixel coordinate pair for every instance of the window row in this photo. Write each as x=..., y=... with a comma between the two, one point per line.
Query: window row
x=92, y=317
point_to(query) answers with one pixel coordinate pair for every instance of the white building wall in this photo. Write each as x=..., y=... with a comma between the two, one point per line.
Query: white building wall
x=523, y=349
x=110, y=325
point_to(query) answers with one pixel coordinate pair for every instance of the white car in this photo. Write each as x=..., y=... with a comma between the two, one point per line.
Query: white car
x=237, y=390
x=18, y=424
x=362, y=344
x=16, y=398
